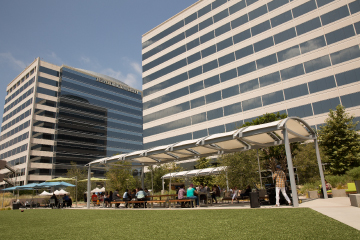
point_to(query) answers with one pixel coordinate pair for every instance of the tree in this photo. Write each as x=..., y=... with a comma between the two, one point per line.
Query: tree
x=120, y=177
x=339, y=140
x=204, y=180
x=156, y=172
x=80, y=173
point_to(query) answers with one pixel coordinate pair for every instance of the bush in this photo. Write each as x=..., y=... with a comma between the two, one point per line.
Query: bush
x=338, y=180
x=354, y=173
x=309, y=187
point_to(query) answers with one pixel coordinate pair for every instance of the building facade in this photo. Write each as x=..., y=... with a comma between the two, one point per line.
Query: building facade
x=218, y=64
x=58, y=115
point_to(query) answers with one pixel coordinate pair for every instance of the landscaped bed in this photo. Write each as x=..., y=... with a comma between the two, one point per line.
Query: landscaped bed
x=172, y=224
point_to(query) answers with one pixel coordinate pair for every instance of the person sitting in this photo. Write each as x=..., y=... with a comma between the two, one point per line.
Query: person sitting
x=106, y=199
x=213, y=193
x=140, y=196
x=328, y=187
x=181, y=194
x=246, y=193
x=203, y=192
x=56, y=201
x=147, y=194
x=133, y=194
x=126, y=197
x=66, y=200
x=234, y=195
x=116, y=197
x=191, y=194
x=94, y=198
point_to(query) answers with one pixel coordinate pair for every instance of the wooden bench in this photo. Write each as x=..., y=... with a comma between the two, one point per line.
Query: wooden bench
x=156, y=201
x=181, y=201
x=117, y=202
x=133, y=202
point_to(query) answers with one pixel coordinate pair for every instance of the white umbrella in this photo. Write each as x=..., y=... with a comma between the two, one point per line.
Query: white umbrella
x=102, y=189
x=61, y=192
x=45, y=193
x=96, y=190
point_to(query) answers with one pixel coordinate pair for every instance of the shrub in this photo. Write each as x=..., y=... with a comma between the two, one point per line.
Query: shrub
x=309, y=187
x=336, y=180
x=354, y=173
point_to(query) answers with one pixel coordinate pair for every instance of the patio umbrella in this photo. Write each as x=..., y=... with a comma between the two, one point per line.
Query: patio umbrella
x=60, y=192
x=66, y=179
x=96, y=190
x=54, y=184
x=45, y=193
x=93, y=179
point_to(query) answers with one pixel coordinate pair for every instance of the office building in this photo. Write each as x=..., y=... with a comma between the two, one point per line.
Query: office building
x=218, y=64
x=56, y=115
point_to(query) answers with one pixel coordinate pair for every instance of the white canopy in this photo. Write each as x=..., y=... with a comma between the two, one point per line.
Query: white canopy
x=45, y=193
x=195, y=173
x=60, y=192
x=98, y=190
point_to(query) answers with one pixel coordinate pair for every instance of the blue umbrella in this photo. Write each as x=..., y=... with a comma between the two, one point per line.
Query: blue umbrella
x=54, y=184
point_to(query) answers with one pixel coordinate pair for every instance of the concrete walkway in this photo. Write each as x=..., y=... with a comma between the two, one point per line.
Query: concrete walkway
x=336, y=208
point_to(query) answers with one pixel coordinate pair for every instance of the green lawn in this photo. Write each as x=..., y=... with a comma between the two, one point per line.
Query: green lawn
x=289, y=223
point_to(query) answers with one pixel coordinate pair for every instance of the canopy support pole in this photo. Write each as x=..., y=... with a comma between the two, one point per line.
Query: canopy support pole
x=88, y=188
x=152, y=180
x=320, y=168
x=2, y=204
x=227, y=181
x=76, y=190
x=142, y=177
x=295, y=199
x=170, y=184
x=257, y=153
x=163, y=185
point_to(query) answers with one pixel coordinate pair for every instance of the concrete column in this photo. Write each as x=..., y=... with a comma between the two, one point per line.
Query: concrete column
x=89, y=187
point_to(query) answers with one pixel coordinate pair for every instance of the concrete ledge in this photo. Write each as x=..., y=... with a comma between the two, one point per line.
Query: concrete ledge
x=313, y=194
x=355, y=200
x=338, y=193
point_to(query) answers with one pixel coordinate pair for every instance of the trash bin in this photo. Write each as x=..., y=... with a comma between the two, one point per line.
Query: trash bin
x=16, y=205
x=254, y=200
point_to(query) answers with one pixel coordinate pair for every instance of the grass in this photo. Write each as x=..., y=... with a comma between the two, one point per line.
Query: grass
x=173, y=224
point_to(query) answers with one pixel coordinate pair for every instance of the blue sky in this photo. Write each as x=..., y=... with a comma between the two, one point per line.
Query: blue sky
x=101, y=36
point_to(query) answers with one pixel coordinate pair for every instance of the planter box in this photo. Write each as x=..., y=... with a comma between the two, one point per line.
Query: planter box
x=338, y=193
x=355, y=200
x=357, y=184
x=313, y=194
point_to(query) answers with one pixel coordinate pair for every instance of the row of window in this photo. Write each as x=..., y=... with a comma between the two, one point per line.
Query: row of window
x=256, y=47
x=15, y=130
x=19, y=82
x=49, y=71
x=14, y=141
x=18, y=109
x=285, y=74
x=48, y=81
x=22, y=97
x=22, y=88
x=67, y=83
x=14, y=151
x=280, y=19
x=89, y=80
x=47, y=91
x=17, y=161
x=16, y=120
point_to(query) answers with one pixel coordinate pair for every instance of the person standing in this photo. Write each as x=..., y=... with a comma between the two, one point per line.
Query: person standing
x=191, y=194
x=280, y=177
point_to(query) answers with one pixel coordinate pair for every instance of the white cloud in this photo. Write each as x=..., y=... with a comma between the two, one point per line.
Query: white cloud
x=12, y=61
x=85, y=59
x=136, y=66
x=129, y=79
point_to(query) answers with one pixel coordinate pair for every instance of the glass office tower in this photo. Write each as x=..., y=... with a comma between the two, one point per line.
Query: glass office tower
x=218, y=64
x=54, y=116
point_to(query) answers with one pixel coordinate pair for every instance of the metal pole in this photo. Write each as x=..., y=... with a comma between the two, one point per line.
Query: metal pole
x=295, y=199
x=2, y=204
x=152, y=180
x=88, y=188
x=227, y=182
x=142, y=177
x=257, y=153
x=320, y=168
x=76, y=190
x=170, y=184
x=163, y=185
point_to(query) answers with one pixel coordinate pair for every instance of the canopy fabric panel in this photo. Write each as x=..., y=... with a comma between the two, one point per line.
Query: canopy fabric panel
x=195, y=173
x=250, y=137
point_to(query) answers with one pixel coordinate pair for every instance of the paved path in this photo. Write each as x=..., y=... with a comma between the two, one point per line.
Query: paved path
x=336, y=208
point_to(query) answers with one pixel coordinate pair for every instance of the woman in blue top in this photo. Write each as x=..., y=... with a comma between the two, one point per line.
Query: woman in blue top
x=190, y=193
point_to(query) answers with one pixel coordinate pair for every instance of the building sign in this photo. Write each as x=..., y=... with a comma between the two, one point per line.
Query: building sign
x=117, y=85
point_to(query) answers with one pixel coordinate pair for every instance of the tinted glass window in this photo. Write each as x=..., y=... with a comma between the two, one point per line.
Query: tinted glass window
x=288, y=53
x=223, y=29
x=323, y=2
x=237, y=7
x=46, y=91
x=301, y=111
x=228, y=75
x=251, y=103
x=48, y=81
x=266, y=61
x=348, y=77
x=226, y=59
x=218, y=3
x=247, y=68
x=296, y=91
x=335, y=15
x=214, y=114
x=204, y=10
x=304, y=8
x=207, y=37
x=224, y=44
x=233, y=126
x=191, y=31
x=249, y=85
x=316, y=64
x=213, y=97
x=210, y=66
x=208, y=51
x=165, y=84
x=217, y=129
x=249, y=2
x=272, y=98
x=276, y=3
x=312, y=44
x=261, y=45
x=340, y=34
x=212, y=81
x=285, y=35
x=231, y=91
x=198, y=118
x=262, y=27
x=192, y=44
x=257, y=12
x=196, y=71
x=193, y=58
x=197, y=102
x=357, y=27
x=345, y=55
x=269, y=79
x=354, y=6
x=205, y=24
x=322, y=84
x=242, y=36
x=292, y=72
x=246, y=51
x=239, y=21
x=48, y=71
x=200, y=134
x=325, y=105
x=280, y=19
x=351, y=100
x=232, y=109
x=190, y=18
x=221, y=15
x=308, y=26
x=196, y=86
